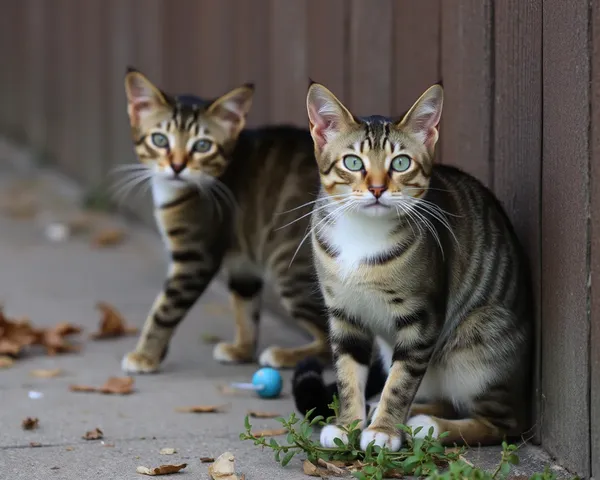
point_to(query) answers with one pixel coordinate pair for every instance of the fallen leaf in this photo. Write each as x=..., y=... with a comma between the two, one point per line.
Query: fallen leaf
x=69, y=449
x=114, y=385
x=108, y=445
x=108, y=237
x=243, y=476
x=223, y=468
x=210, y=339
x=274, y=432
x=30, y=423
x=95, y=434
x=53, y=338
x=6, y=361
x=161, y=470
x=330, y=467
x=259, y=414
x=312, y=470
x=207, y=459
x=202, y=409
x=167, y=451
x=35, y=444
x=112, y=323
x=42, y=373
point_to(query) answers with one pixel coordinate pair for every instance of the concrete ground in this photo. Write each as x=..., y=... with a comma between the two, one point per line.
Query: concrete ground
x=52, y=282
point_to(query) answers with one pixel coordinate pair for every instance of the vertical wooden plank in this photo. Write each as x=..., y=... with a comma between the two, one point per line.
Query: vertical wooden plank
x=13, y=64
x=370, y=66
x=517, y=141
x=595, y=245
x=35, y=78
x=467, y=76
x=288, y=60
x=416, y=53
x=251, y=57
x=565, y=334
x=92, y=73
x=328, y=28
x=119, y=39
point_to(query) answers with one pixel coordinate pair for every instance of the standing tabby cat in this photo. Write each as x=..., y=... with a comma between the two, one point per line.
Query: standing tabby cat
x=421, y=260
x=218, y=192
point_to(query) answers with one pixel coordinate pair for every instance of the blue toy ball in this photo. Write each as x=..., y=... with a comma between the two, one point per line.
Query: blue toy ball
x=267, y=382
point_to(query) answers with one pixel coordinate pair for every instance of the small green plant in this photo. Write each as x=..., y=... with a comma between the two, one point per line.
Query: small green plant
x=422, y=457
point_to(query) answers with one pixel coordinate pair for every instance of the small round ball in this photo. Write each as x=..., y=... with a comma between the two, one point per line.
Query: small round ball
x=270, y=379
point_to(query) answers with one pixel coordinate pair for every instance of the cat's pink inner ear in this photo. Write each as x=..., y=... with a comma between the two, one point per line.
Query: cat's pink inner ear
x=231, y=110
x=142, y=98
x=319, y=126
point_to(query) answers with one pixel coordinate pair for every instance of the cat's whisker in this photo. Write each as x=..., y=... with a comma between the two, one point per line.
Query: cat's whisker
x=125, y=187
x=304, y=216
x=320, y=199
x=439, y=216
x=431, y=229
x=313, y=227
x=434, y=205
x=128, y=168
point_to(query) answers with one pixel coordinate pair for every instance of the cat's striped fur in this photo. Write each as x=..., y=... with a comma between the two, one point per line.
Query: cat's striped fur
x=219, y=192
x=419, y=264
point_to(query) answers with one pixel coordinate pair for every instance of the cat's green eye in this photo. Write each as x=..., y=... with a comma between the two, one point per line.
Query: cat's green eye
x=401, y=163
x=202, y=146
x=160, y=140
x=353, y=163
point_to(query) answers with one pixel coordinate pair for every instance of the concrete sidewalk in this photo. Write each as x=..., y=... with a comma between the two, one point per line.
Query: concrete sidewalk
x=52, y=282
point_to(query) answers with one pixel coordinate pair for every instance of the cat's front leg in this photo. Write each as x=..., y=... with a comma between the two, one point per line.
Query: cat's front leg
x=189, y=275
x=352, y=347
x=415, y=341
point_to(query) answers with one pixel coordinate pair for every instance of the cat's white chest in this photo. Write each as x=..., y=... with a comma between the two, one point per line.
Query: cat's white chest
x=357, y=238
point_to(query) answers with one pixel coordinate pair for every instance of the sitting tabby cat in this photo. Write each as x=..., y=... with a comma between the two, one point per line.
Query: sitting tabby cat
x=219, y=191
x=420, y=260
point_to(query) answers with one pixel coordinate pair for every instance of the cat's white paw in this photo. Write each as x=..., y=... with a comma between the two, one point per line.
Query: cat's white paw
x=135, y=362
x=329, y=433
x=426, y=422
x=382, y=439
x=229, y=353
x=273, y=357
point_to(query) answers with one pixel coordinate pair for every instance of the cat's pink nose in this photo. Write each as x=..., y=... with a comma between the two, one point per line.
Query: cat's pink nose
x=377, y=191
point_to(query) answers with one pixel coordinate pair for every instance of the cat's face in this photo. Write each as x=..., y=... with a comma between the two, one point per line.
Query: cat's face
x=374, y=166
x=184, y=138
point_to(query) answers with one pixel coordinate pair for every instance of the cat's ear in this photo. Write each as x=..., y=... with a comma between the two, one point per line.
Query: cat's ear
x=423, y=118
x=327, y=116
x=232, y=108
x=143, y=97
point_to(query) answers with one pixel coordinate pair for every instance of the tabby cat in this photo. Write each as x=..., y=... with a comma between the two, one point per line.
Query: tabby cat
x=418, y=264
x=219, y=191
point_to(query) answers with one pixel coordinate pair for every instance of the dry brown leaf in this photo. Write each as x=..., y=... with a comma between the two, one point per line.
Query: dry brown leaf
x=202, y=409
x=43, y=373
x=108, y=237
x=112, y=323
x=330, y=467
x=312, y=470
x=259, y=414
x=167, y=451
x=161, y=470
x=69, y=449
x=207, y=459
x=35, y=444
x=30, y=423
x=114, y=385
x=95, y=434
x=53, y=338
x=274, y=432
x=6, y=361
x=223, y=468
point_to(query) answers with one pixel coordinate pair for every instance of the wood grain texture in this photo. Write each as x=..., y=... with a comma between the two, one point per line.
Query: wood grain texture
x=251, y=55
x=517, y=144
x=370, y=72
x=564, y=210
x=416, y=53
x=595, y=245
x=289, y=61
x=466, y=58
x=328, y=25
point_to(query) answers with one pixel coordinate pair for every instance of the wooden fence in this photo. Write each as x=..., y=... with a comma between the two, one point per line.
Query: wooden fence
x=522, y=85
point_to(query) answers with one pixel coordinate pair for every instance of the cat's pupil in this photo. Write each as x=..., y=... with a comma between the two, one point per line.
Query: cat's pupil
x=401, y=163
x=353, y=163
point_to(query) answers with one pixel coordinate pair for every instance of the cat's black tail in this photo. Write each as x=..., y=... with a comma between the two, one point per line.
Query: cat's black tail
x=310, y=391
